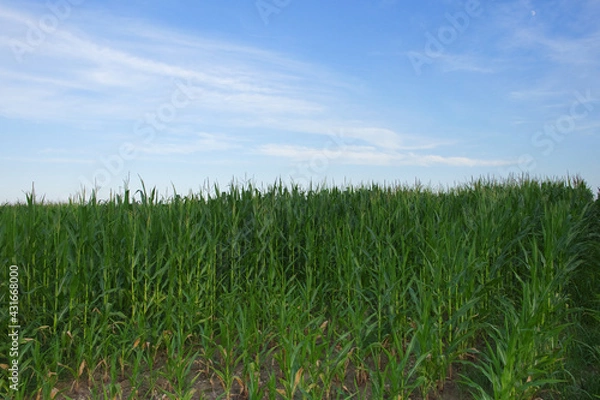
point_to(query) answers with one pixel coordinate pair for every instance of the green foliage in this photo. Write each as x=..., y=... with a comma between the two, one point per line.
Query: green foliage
x=366, y=292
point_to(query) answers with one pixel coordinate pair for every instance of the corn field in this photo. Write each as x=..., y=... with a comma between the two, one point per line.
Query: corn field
x=489, y=290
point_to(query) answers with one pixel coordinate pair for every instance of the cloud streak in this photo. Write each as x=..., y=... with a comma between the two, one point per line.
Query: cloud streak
x=198, y=143
x=95, y=74
x=122, y=76
x=370, y=155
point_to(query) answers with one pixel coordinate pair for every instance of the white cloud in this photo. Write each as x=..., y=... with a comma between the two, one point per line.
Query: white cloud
x=201, y=142
x=387, y=138
x=124, y=72
x=49, y=160
x=536, y=94
x=372, y=156
x=464, y=62
x=105, y=70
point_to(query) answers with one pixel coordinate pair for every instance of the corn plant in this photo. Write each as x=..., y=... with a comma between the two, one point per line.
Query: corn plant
x=318, y=292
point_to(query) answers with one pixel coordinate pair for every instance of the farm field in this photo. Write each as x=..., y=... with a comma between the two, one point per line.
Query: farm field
x=490, y=290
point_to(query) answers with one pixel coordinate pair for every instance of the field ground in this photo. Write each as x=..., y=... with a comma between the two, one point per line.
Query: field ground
x=489, y=290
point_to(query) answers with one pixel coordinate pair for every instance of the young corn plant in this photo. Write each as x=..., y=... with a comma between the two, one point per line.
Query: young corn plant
x=178, y=366
x=400, y=376
x=228, y=353
x=524, y=355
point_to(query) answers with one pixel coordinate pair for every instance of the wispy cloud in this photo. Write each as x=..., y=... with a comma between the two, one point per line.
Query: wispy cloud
x=124, y=73
x=464, y=62
x=49, y=160
x=95, y=72
x=387, y=138
x=369, y=155
x=546, y=35
x=198, y=143
x=536, y=94
x=574, y=51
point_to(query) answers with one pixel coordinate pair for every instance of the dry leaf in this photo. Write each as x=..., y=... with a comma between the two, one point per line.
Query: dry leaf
x=298, y=377
x=324, y=325
x=81, y=368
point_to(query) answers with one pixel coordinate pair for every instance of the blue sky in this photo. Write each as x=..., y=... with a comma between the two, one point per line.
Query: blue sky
x=187, y=92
